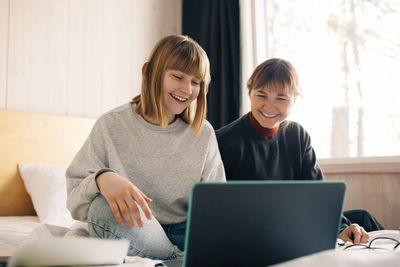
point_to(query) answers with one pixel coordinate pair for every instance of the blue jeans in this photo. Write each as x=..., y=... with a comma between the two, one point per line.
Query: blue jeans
x=176, y=233
x=152, y=241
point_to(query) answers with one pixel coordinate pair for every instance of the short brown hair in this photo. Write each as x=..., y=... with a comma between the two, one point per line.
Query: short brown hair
x=181, y=53
x=277, y=74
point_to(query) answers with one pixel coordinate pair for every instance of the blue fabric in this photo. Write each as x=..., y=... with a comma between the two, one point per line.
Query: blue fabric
x=151, y=241
x=176, y=233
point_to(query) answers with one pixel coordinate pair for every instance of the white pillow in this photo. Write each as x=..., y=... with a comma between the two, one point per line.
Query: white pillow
x=46, y=184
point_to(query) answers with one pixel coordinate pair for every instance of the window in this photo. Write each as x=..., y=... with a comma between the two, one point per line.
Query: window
x=347, y=54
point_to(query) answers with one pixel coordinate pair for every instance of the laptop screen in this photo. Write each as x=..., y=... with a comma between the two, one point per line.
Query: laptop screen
x=262, y=222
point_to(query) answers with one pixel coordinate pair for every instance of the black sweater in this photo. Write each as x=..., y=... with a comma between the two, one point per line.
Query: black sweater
x=287, y=155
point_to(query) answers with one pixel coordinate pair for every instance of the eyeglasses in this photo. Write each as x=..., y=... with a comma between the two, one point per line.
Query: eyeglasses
x=371, y=244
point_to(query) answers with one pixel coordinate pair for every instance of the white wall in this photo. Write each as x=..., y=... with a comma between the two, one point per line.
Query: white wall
x=78, y=57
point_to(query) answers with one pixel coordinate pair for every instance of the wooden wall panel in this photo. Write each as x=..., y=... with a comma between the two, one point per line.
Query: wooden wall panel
x=39, y=56
x=76, y=54
x=58, y=79
x=128, y=63
x=4, y=15
x=125, y=50
x=375, y=192
x=92, y=59
x=78, y=57
x=19, y=56
x=84, y=58
x=109, y=53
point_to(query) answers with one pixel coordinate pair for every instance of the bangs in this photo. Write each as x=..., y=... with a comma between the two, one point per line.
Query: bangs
x=174, y=52
x=278, y=86
x=278, y=78
x=188, y=59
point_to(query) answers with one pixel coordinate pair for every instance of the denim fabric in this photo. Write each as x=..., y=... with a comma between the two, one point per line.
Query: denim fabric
x=176, y=233
x=151, y=241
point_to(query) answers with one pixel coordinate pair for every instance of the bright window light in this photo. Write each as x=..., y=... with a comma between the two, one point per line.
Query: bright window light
x=347, y=53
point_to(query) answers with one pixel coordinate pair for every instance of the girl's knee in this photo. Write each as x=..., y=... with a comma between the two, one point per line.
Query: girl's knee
x=102, y=230
x=149, y=241
x=99, y=209
x=101, y=221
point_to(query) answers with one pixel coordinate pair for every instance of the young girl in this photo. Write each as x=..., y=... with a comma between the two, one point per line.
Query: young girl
x=263, y=145
x=132, y=177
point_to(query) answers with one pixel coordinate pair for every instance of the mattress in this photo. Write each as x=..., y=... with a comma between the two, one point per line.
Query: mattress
x=14, y=231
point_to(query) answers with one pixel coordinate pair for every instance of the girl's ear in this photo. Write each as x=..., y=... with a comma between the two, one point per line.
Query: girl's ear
x=294, y=100
x=144, y=68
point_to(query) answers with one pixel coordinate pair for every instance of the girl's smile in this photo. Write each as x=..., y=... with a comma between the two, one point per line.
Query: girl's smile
x=178, y=90
x=269, y=107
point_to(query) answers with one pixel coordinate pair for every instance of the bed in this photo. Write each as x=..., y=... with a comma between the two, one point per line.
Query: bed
x=45, y=144
x=35, y=150
x=14, y=231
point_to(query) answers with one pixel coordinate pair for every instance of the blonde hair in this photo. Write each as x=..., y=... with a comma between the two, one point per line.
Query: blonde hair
x=278, y=74
x=177, y=52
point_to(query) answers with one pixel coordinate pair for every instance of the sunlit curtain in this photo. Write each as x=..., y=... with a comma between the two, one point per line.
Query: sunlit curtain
x=254, y=44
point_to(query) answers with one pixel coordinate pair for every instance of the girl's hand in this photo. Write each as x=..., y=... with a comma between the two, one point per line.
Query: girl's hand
x=123, y=198
x=355, y=234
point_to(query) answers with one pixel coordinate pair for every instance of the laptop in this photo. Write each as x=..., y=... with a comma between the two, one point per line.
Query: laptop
x=260, y=223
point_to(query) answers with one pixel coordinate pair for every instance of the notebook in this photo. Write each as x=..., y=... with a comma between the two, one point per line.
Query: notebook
x=260, y=223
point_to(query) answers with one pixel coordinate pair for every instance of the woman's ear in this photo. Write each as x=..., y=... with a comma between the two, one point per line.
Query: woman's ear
x=294, y=98
x=144, y=68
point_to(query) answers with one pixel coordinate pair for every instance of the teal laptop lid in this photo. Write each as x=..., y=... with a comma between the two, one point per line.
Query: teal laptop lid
x=260, y=223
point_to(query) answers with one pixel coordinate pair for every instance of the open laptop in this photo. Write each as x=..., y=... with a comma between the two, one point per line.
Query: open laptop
x=260, y=223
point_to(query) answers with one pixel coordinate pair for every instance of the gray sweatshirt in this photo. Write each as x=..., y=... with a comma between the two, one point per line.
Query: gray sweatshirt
x=163, y=163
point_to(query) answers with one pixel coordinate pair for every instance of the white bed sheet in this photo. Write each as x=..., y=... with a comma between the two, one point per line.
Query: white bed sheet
x=384, y=254
x=18, y=231
x=14, y=231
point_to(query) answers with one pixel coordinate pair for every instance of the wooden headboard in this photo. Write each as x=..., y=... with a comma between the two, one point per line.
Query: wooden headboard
x=34, y=138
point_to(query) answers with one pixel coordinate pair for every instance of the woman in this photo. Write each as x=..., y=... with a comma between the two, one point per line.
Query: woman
x=132, y=177
x=263, y=145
